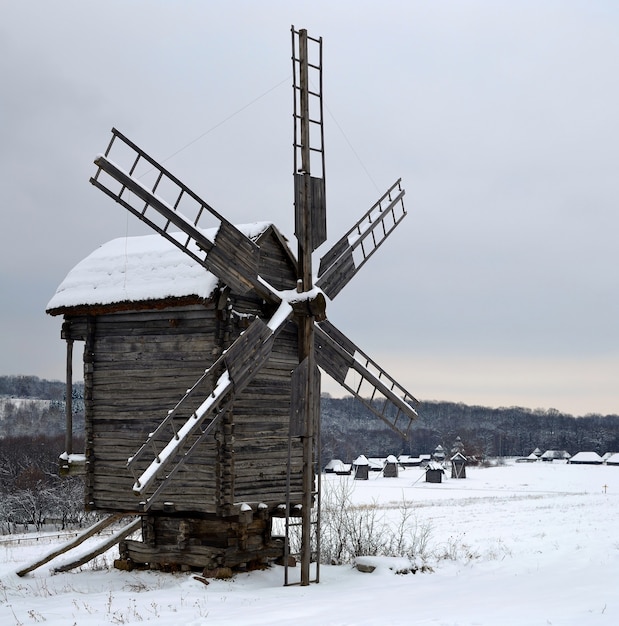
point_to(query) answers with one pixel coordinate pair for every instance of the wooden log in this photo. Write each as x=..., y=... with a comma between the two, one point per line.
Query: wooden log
x=89, y=532
x=102, y=547
x=196, y=556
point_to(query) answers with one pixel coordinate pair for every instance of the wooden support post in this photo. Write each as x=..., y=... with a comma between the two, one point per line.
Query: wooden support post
x=89, y=532
x=306, y=323
x=68, y=437
x=102, y=547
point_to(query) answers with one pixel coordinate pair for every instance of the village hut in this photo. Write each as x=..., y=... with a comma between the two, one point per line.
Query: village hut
x=457, y=446
x=458, y=465
x=586, y=458
x=406, y=460
x=390, y=470
x=555, y=455
x=150, y=320
x=439, y=454
x=336, y=466
x=361, y=467
x=434, y=472
x=532, y=458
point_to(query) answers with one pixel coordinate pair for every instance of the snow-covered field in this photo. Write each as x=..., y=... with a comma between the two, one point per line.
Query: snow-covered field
x=518, y=544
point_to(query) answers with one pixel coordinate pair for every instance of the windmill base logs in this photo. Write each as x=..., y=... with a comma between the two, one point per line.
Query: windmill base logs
x=209, y=543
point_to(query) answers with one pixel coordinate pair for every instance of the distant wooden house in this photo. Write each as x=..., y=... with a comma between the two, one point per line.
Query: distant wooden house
x=434, y=472
x=335, y=466
x=361, y=467
x=458, y=465
x=555, y=455
x=457, y=446
x=586, y=458
x=390, y=470
x=532, y=458
x=439, y=454
x=409, y=461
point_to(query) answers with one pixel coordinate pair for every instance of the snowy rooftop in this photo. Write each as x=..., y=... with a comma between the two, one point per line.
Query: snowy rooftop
x=586, y=457
x=134, y=269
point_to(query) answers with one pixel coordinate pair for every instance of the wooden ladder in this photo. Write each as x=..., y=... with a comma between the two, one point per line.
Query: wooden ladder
x=293, y=523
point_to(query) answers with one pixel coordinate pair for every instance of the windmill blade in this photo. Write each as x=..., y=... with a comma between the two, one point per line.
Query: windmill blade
x=234, y=369
x=232, y=256
x=354, y=249
x=379, y=392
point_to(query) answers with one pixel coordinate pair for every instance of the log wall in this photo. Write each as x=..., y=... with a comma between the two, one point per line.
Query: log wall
x=142, y=363
x=139, y=363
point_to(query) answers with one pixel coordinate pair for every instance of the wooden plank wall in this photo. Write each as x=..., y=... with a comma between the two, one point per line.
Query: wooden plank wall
x=138, y=364
x=143, y=362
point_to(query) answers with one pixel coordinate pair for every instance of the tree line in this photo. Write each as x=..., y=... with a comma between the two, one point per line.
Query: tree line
x=32, y=494
x=349, y=429
x=31, y=387
x=32, y=437
x=30, y=405
x=32, y=423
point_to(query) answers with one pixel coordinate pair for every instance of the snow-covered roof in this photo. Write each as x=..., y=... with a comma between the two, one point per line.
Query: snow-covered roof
x=407, y=458
x=434, y=466
x=613, y=459
x=136, y=269
x=586, y=457
x=336, y=465
x=556, y=454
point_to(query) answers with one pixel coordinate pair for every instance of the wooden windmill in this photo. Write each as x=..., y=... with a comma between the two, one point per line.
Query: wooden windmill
x=254, y=371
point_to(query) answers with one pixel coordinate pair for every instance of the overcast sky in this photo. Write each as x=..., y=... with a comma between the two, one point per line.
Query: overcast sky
x=500, y=288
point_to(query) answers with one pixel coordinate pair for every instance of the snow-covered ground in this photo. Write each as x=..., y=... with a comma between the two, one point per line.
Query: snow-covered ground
x=519, y=544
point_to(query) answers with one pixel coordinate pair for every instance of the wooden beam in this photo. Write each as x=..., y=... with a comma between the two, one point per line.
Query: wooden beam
x=102, y=547
x=68, y=436
x=89, y=532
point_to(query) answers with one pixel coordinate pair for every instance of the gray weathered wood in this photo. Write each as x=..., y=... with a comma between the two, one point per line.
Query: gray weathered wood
x=101, y=547
x=89, y=532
